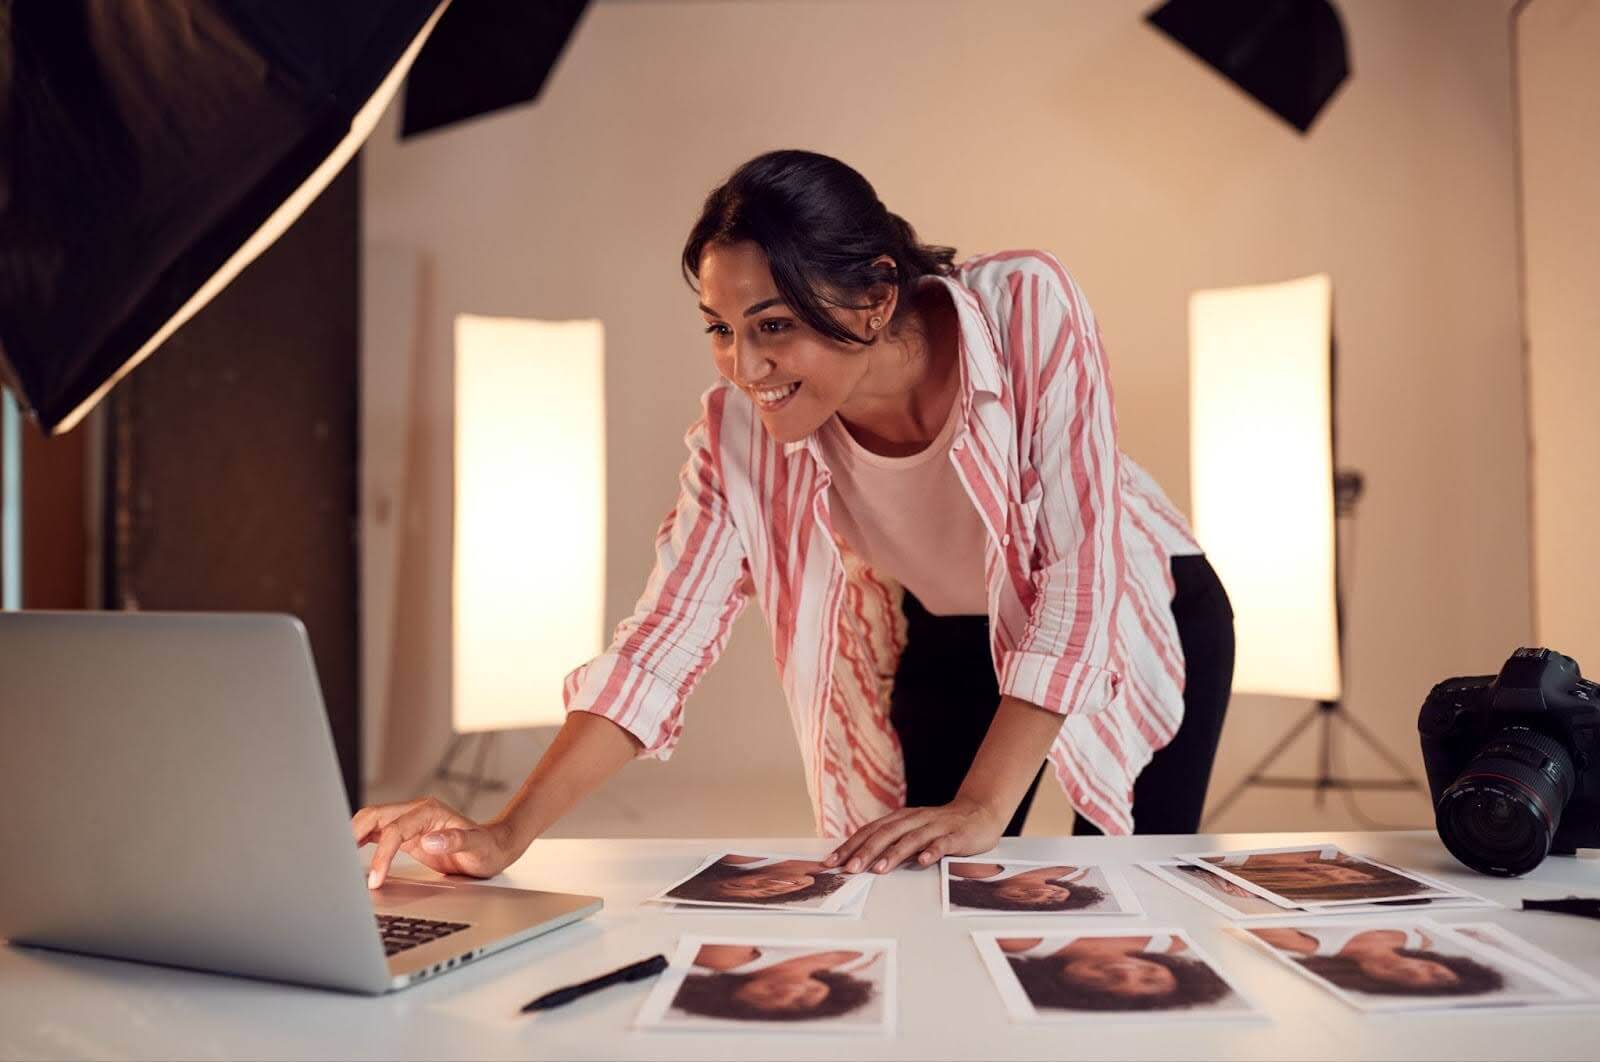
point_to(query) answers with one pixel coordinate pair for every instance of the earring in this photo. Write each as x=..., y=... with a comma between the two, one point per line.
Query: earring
x=876, y=322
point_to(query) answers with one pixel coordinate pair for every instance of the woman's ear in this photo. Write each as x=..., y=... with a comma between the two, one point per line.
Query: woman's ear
x=884, y=297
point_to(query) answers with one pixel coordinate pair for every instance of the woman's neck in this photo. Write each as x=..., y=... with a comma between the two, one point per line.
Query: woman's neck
x=914, y=379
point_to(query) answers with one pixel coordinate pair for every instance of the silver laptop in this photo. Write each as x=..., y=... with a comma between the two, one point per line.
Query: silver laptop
x=169, y=793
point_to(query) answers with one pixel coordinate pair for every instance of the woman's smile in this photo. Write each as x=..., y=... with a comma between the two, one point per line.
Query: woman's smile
x=772, y=399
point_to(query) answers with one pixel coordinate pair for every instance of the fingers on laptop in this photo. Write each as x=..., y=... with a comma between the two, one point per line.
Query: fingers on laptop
x=404, y=828
x=366, y=823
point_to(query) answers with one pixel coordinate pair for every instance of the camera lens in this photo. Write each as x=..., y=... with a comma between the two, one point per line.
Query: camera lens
x=1499, y=816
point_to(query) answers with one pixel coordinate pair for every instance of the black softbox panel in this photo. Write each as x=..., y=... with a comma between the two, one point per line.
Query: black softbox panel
x=1289, y=54
x=143, y=144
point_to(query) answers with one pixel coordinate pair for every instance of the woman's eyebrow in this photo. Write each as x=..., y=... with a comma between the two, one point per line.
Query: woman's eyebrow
x=757, y=308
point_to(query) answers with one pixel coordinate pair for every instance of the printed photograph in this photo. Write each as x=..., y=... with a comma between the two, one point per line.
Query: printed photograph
x=853, y=906
x=1499, y=938
x=820, y=985
x=1214, y=890
x=1406, y=965
x=1242, y=905
x=796, y=884
x=1316, y=877
x=1108, y=974
x=1034, y=888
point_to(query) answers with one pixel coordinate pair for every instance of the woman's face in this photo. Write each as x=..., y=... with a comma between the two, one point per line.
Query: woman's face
x=776, y=992
x=1035, y=893
x=760, y=885
x=796, y=377
x=1121, y=975
x=1406, y=970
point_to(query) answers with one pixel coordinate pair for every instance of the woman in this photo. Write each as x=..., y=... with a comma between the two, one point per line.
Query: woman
x=747, y=985
x=751, y=879
x=990, y=887
x=1111, y=973
x=912, y=465
x=1386, y=962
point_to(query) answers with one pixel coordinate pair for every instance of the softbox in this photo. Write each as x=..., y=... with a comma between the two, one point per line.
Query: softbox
x=152, y=150
x=1288, y=54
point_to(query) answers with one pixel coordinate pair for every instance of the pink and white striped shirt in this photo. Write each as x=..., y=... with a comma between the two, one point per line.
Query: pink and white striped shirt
x=1077, y=568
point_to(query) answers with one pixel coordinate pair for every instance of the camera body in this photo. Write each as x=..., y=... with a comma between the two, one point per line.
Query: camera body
x=1513, y=762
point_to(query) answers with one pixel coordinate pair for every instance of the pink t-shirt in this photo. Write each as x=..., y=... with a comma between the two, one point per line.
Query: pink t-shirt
x=910, y=517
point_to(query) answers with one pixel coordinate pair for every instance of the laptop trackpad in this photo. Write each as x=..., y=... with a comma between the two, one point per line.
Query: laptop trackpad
x=393, y=893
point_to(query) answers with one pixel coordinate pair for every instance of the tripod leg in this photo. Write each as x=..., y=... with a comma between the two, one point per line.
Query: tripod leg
x=1377, y=746
x=1255, y=771
x=476, y=784
x=1324, y=753
x=442, y=772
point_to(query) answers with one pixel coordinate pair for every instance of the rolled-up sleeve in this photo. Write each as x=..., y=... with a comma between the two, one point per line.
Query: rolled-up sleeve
x=1063, y=659
x=697, y=588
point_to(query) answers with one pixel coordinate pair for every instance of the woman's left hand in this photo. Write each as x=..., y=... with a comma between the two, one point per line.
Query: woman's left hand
x=962, y=827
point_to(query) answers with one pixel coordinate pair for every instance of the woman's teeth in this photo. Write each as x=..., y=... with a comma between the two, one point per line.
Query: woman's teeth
x=773, y=397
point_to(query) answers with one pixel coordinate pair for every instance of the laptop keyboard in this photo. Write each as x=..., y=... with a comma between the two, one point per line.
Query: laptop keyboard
x=400, y=934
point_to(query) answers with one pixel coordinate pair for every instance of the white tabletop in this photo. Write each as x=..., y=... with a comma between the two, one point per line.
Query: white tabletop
x=63, y=1006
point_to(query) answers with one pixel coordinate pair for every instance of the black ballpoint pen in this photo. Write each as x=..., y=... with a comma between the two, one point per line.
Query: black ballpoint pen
x=635, y=972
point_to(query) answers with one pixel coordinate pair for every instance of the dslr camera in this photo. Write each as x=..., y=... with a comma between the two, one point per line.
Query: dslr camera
x=1513, y=762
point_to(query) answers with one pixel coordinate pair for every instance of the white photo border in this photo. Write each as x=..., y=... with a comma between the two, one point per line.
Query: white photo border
x=1407, y=1004
x=1434, y=890
x=652, y=1013
x=834, y=903
x=1121, y=892
x=1020, y=1009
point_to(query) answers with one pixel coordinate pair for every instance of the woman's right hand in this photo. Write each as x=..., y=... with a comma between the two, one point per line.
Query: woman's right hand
x=435, y=835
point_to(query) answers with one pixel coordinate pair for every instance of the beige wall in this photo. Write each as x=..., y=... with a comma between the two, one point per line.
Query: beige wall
x=1072, y=127
x=1559, y=110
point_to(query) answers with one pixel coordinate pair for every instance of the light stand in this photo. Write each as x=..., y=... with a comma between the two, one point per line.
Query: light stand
x=1347, y=489
x=475, y=782
x=10, y=502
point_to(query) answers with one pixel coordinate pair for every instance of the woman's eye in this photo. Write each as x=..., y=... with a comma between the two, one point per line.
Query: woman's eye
x=778, y=327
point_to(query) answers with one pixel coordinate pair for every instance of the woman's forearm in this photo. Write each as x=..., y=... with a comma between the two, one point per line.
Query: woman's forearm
x=1016, y=743
x=587, y=750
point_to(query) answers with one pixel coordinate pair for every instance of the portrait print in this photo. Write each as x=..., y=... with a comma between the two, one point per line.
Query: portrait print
x=779, y=985
x=1241, y=904
x=1405, y=964
x=1498, y=938
x=1322, y=876
x=1214, y=890
x=1112, y=974
x=1026, y=887
x=795, y=884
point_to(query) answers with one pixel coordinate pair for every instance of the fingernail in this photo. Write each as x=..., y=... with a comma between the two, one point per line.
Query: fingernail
x=855, y=865
x=828, y=862
x=433, y=842
x=880, y=864
x=372, y=879
x=924, y=857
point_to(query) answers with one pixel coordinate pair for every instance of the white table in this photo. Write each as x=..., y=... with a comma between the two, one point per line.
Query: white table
x=62, y=1006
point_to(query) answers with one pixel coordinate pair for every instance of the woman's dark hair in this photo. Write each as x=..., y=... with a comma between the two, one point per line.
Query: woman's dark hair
x=713, y=996
x=986, y=895
x=821, y=225
x=1472, y=977
x=1042, y=979
x=706, y=885
x=1288, y=883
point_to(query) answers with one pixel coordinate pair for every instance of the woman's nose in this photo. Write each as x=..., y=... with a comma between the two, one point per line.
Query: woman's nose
x=750, y=366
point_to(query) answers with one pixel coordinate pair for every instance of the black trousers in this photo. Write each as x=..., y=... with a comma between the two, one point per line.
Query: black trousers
x=946, y=694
